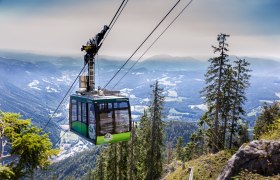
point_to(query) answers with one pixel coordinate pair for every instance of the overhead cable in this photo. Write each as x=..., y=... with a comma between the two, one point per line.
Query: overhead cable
x=153, y=43
x=141, y=44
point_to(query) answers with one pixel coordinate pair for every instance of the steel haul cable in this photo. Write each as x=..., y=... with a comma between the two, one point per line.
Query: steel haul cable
x=52, y=116
x=111, y=25
x=153, y=42
x=142, y=44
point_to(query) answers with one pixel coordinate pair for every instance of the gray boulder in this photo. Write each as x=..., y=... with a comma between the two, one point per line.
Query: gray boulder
x=259, y=156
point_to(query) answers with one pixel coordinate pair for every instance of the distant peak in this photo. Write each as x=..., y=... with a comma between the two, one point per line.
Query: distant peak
x=164, y=57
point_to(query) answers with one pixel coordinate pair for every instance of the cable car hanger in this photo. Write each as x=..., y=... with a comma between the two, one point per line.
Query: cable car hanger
x=100, y=116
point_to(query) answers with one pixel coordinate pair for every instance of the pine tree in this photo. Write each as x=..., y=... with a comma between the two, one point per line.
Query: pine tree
x=132, y=152
x=154, y=160
x=99, y=171
x=169, y=152
x=135, y=155
x=240, y=85
x=267, y=117
x=179, y=148
x=111, y=160
x=123, y=160
x=144, y=132
x=215, y=78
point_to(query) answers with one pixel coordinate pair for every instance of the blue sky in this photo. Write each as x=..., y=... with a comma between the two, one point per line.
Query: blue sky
x=62, y=26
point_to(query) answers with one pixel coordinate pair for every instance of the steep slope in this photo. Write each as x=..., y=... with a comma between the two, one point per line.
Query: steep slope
x=73, y=167
x=206, y=167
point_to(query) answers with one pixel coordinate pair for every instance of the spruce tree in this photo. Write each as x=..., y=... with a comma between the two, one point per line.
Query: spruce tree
x=144, y=133
x=154, y=160
x=135, y=161
x=99, y=171
x=240, y=85
x=169, y=152
x=123, y=160
x=227, y=101
x=267, y=117
x=111, y=162
x=215, y=78
x=179, y=148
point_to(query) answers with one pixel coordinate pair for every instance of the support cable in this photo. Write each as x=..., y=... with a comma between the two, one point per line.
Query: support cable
x=52, y=116
x=116, y=17
x=153, y=43
x=141, y=44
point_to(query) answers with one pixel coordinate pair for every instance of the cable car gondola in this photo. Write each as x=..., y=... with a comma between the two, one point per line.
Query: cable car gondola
x=100, y=116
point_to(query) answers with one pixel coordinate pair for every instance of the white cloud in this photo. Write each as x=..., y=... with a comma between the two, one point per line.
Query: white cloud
x=54, y=30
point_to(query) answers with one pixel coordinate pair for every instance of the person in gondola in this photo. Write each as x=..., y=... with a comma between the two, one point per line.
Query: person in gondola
x=100, y=92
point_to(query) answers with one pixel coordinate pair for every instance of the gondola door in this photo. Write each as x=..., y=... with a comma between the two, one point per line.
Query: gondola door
x=91, y=123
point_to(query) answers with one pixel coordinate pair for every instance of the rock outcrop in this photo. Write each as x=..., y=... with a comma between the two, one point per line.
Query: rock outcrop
x=259, y=156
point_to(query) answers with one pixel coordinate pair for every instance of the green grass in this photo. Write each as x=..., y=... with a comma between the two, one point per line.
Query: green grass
x=210, y=166
x=206, y=167
x=115, y=138
x=273, y=133
x=246, y=175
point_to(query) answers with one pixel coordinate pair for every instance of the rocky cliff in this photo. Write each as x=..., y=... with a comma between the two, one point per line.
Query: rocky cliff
x=259, y=156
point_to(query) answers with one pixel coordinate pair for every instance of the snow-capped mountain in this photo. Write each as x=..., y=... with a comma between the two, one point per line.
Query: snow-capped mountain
x=34, y=86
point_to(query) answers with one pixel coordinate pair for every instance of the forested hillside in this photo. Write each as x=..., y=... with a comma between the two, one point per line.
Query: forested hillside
x=209, y=166
x=175, y=129
x=73, y=167
x=82, y=164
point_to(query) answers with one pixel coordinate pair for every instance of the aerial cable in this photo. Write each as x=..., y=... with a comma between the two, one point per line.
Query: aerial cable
x=52, y=116
x=116, y=17
x=119, y=11
x=116, y=14
x=142, y=44
x=153, y=42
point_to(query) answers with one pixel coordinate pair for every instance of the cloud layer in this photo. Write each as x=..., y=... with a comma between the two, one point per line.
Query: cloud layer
x=62, y=26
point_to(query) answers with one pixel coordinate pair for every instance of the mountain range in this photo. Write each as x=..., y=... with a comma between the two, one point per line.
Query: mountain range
x=34, y=85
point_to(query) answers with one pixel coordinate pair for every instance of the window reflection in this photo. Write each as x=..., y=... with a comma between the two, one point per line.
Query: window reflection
x=114, y=118
x=74, y=110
